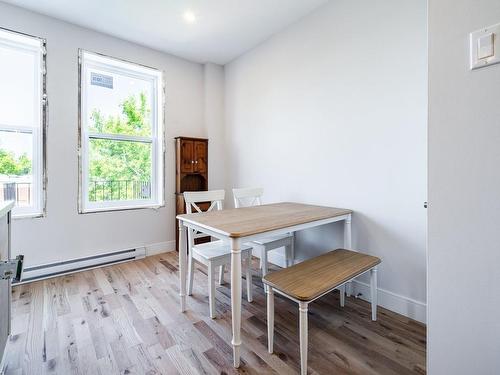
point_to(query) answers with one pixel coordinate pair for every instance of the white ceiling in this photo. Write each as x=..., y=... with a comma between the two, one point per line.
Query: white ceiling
x=224, y=29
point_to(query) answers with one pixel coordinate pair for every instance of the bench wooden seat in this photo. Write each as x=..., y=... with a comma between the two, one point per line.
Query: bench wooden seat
x=312, y=278
x=309, y=280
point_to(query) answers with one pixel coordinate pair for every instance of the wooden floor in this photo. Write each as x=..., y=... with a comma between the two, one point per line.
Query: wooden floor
x=125, y=319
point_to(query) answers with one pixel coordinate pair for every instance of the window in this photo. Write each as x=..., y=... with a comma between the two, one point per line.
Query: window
x=22, y=122
x=121, y=134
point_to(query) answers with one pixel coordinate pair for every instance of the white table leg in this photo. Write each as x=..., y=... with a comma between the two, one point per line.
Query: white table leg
x=190, y=242
x=288, y=255
x=182, y=265
x=348, y=246
x=236, y=298
x=342, y=295
x=373, y=290
x=347, y=233
x=303, y=337
x=263, y=260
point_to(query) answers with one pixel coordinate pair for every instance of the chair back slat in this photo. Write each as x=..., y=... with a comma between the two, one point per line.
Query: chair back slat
x=247, y=197
x=193, y=198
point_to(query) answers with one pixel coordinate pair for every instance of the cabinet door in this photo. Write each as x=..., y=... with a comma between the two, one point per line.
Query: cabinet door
x=200, y=161
x=187, y=156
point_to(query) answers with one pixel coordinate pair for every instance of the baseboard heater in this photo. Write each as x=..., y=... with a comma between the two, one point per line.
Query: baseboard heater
x=45, y=271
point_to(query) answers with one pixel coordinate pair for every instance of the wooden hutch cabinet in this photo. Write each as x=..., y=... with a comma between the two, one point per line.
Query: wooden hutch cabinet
x=191, y=172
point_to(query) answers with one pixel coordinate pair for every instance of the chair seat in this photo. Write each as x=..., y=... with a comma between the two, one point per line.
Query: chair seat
x=215, y=250
x=270, y=239
x=312, y=278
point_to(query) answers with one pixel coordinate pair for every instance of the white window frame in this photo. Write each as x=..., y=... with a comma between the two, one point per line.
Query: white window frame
x=37, y=46
x=88, y=60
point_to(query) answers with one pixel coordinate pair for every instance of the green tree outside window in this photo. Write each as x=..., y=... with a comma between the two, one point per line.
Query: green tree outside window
x=121, y=170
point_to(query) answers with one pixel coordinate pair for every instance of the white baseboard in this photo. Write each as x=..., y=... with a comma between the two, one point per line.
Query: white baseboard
x=160, y=247
x=66, y=266
x=94, y=261
x=395, y=302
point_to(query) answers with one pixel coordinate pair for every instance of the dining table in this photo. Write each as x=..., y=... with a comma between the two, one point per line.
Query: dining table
x=238, y=226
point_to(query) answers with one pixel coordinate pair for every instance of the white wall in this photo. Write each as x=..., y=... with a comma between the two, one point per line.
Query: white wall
x=63, y=233
x=214, y=123
x=332, y=111
x=464, y=194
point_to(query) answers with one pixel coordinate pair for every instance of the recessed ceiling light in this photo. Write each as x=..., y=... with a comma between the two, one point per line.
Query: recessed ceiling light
x=189, y=16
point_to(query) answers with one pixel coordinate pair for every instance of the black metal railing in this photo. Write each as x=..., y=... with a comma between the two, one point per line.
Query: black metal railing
x=20, y=192
x=112, y=190
x=102, y=190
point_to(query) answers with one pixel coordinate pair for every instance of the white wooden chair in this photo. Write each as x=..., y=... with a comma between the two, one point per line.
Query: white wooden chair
x=247, y=197
x=212, y=254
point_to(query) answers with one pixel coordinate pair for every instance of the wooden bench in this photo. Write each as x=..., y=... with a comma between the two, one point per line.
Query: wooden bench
x=313, y=278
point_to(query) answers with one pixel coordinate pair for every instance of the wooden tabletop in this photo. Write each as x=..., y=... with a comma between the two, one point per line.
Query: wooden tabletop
x=310, y=279
x=247, y=221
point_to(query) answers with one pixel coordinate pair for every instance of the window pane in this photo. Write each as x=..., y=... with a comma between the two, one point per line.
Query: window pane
x=120, y=125
x=16, y=168
x=19, y=99
x=119, y=170
x=118, y=103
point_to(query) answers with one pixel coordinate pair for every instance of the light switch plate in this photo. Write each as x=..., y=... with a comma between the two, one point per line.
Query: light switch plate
x=485, y=47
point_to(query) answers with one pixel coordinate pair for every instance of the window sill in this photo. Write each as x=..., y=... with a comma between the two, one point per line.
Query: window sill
x=94, y=210
x=28, y=216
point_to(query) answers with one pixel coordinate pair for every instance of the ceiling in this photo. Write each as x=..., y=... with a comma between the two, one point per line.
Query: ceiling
x=222, y=29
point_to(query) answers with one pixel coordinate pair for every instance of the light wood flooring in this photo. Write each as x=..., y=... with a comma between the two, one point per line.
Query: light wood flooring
x=125, y=319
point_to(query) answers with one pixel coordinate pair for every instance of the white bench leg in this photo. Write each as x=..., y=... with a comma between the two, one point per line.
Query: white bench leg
x=211, y=289
x=248, y=266
x=342, y=295
x=221, y=275
x=270, y=319
x=190, y=274
x=373, y=290
x=303, y=337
